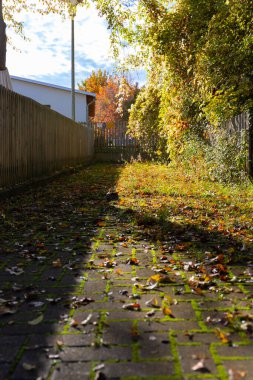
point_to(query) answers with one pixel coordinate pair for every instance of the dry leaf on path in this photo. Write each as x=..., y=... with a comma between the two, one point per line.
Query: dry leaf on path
x=36, y=321
x=200, y=367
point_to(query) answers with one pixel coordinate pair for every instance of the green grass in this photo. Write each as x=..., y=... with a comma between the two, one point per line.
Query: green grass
x=165, y=199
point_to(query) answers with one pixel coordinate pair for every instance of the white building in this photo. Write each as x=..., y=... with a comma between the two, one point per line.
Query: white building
x=56, y=97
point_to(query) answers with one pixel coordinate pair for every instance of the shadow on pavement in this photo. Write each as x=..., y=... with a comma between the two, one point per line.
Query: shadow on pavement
x=46, y=240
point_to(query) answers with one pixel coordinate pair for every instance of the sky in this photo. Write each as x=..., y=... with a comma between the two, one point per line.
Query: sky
x=46, y=55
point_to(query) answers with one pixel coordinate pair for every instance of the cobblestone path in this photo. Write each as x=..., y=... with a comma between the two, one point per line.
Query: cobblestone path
x=83, y=296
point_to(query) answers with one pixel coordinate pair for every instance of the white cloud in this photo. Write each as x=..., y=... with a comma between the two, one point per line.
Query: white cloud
x=46, y=56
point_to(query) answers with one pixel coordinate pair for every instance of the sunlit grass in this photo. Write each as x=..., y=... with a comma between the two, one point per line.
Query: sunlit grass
x=169, y=195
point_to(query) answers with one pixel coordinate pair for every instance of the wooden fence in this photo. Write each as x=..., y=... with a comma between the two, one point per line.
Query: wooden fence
x=240, y=126
x=36, y=141
x=112, y=143
x=240, y=129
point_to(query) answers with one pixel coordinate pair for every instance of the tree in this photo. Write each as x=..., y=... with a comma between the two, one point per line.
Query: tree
x=106, y=103
x=96, y=80
x=199, y=58
x=114, y=95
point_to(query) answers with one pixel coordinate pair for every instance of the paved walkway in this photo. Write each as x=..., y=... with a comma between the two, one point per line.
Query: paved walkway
x=84, y=295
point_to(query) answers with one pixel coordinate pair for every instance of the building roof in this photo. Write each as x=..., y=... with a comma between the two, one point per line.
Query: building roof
x=52, y=85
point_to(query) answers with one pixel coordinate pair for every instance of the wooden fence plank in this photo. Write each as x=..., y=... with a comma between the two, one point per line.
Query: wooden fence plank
x=36, y=141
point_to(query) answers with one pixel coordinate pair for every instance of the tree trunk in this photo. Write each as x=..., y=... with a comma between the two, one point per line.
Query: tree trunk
x=2, y=40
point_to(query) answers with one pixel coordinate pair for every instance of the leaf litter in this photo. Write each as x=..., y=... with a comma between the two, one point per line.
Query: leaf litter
x=179, y=240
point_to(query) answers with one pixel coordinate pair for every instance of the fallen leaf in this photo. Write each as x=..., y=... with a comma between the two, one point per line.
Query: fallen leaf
x=132, y=306
x=57, y=263
x=200, y=367
x=54, y=356
x=235, y=374
x=101, y=223
x=73, y=323
x=151, y=313
x=167, y=311
x=98, y=367
x=4, y=310
x=223, y=337
x=36, y=321
x=78, y=302
x=87, y=320
x=132, y=261
x=14, y=271
x=28, y=366
x=109, y=263
x=153, y=302
x=119, y=272
x=59, y=344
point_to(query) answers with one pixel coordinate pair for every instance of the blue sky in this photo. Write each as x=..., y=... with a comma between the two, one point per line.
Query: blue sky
x=45, y=56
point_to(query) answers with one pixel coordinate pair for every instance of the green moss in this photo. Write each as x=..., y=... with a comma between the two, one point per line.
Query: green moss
x=175, y=355
x=222, y=372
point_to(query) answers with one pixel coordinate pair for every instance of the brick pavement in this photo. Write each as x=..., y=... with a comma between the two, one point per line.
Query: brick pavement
x=79, y=300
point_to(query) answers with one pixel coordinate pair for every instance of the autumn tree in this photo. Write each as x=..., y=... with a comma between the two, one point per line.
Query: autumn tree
x=106, y=102
x=114, y=95
x=95, y=81
x=198, y=55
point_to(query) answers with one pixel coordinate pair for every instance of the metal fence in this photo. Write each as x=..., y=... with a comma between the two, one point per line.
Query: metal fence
x=36, y=141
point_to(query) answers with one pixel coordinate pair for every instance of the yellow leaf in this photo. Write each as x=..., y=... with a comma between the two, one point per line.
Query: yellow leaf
x=155, y=278
x=223, y=337
x=119, y=272
x=167, y=311
x=154, y=302
x=168, y=299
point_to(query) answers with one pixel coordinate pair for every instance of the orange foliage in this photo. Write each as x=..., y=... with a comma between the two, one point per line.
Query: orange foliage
x=106, y=103
x=114, y=96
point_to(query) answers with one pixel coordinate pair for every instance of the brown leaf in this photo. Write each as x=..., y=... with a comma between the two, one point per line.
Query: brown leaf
x=101, y=223
x=57, y=263
x=81, y=302
x=4, y=310
x=73, y=323
x=109, y=263
x=132, y=261
x=132, y=306
x=235, y=374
